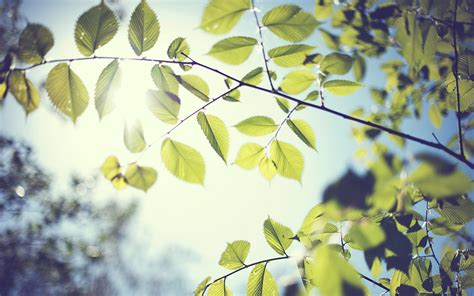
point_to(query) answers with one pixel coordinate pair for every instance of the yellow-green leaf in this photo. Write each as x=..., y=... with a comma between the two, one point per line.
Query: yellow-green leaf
x=336, y=63
x=133, y=137
x=233, y=50
x=111, y=167
x=261, y=282
x=195, y=85
x=288, y=159
x=104, y=89
x=219, y=289
x=341, y=87
x=359, y=67
x=283, y=104
x=177, y=48
x=221, y=16
x=34, y=43
x=435, y=116
x=183, y=161
x=267, y=168
x=24, y=91
x=144, y=28
x=249, y=156
x=165, y=79
x=365, y=236
x=235, y=254
x=216, y=133
x=290, y=55
x=290, y=22
x=304, y=131
x=253, y=77
x=277, y=235
x=140, y=177
x=202, y=285
x=256, y=126
x=322, y=9
x=164, y=105
x=95, y=28
x=297, y=81
x=66, y=91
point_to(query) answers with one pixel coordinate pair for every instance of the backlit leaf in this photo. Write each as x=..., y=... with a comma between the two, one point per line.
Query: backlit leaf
x=219, y=289
x=297, y=81
x=200, y=288
x=256, y=126
x=233, y=50
x=164, y=105
x=290, y=22
x=24, y=91
x=104, y=89
x=359, y=67
x=277, y=235
x=195, y=85
x=261, y=282
x=366, y=235
x=111, y=167
x=267, y=168
x=34, y=43
x=288, y=159
x=249, y=156
x=216, y=133
x=304, y=131
x=254, y=77
x=165, y=79
x=322, y=9
x=235, y=254
x=144, y=28
x=221, y=16
x=290, y=55
x=140, y=177
x=435, y=116
x=183, y=161
x=66, y=91
x=177, y=47
x=95, y=28
x=133, y=137
x=341, y=87
x=337, y=63
x=283, y=104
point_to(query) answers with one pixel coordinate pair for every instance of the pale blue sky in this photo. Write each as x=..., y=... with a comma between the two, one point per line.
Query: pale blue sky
x=233, y=203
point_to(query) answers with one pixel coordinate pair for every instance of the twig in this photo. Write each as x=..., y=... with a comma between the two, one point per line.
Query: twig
x=456, y=78
x=287, y=117
x=428, y=234
x=265, y=59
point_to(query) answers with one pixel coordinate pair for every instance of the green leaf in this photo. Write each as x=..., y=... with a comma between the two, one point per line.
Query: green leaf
x=297, y=81
x=410, y=38
x=336, y=63
x=221, y=16
x=144, y=28
x=104, y=89
x=24, y=91
x=304, y=131
x=233, y=50
x=95, y=28
x=200, y=288
x=219, y=289
x=164, y=105
x=466, y=64
x=366, y=235
x=312, y=96
x=256, y=126
x=322, y=9
x=283, y=104
x=277, y=235
x=66, y=91
x=216, y=133
x=331, y=40
x=253, y=77
x=261, y=282
x=341, y=87
x=267, y=168
x=165, y=79
x=290, y=55
x=133, y=137
x=290, y=22
x=140, y=177
x=249, y=156
x=435, y=116
x=334, y=276
x=34, y=43
x=111, y=167
x=233, y=96
x=460, y=211
x=195, y=85
x=288, y=159
x=359, y=67
x=235, y=254
x=177, y=48
x=183, y=161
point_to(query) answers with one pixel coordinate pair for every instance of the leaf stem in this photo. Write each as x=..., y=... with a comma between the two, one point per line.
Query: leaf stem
x=428, y=234
x=287, y=117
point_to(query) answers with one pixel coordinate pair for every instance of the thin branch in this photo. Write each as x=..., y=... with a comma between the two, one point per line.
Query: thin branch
x=193, y=62
x=428, y=232
x=287, y=117
x=456, y=78
x=265, y=59
x=242, y=268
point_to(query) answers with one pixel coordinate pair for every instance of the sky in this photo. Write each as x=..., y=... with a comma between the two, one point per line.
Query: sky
x=233, y=203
